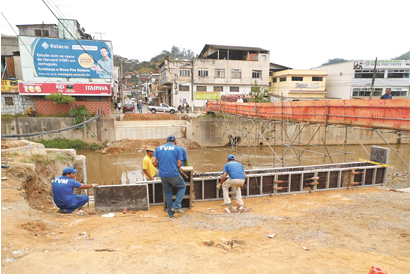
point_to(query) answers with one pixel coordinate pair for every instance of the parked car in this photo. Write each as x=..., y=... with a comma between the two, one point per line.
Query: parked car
x=161, y=108
x=128, y=107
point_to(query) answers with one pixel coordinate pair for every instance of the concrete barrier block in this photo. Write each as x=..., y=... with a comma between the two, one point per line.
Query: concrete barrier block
x=113, y=198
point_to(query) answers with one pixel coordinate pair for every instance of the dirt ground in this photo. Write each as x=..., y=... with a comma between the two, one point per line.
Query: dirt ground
x=341, y=231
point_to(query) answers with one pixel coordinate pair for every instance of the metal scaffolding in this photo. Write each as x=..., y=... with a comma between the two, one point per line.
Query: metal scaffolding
x=283, y=137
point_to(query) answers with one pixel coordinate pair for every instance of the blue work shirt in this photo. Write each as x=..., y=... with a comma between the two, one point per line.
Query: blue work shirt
x=106, y=68
x=184, y=155
x=386, y=96
x=235, y=170
x=168, y=156
x=63, y=190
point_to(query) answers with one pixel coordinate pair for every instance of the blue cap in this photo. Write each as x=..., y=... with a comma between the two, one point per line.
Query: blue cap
x=231, y=157
x=171, y=138
x=69, y=170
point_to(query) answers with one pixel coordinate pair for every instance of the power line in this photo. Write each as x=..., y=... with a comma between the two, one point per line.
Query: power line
x=76, y=39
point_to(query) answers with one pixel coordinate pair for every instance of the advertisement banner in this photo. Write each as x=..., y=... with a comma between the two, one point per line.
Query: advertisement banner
x=205, y=95
x=389, y=64
x=66, y=58
x=9, y=86
x=29, y=88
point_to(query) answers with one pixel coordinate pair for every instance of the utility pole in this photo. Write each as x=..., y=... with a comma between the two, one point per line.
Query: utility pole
x=122, y=84
x=374, y=75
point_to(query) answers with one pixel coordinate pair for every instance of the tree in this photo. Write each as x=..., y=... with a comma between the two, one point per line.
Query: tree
x=258, y=93
x=335, y=61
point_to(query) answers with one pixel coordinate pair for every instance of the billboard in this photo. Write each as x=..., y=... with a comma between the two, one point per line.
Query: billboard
x=206, y=95
x=71, y=58
x=9, y=86
x=381, y=64
x=74, y=89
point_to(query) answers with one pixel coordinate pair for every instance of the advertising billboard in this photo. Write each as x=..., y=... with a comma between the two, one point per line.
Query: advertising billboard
x=74, y=89
x=71, y=58
x=206, y=95
x=9, y=86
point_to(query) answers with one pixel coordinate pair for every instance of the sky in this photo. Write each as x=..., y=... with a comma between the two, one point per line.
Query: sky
x=298, y=34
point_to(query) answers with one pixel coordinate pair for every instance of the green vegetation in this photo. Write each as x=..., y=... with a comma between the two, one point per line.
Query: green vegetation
x=335, y=61
x=258, y=93
x=59, y=98
x=150, y=66
x=404, y=56
x=63, y=143
x=80, y=114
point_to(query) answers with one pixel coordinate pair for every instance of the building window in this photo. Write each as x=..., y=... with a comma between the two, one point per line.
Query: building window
x=398, y=92
x=43, y=33
x=234, y=89
x=183, y=88
x=219, y=88
x=398, y=73
x=236, y=73
x=219, y=73
x=263, y=57
x=201, y=88
x=184, y=72
x=297, y=78
x=282, y=79
x=365, y=92
x=257, y=74
x=317, y=79
x=274, y=80
x=368, y=74
x=202, y=72
x=9, y=101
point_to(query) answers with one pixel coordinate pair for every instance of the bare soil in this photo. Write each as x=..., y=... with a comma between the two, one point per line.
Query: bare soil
x=341, y=231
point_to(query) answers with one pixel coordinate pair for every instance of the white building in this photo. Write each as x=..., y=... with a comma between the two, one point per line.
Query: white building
x=350, y=80
x=218, y=70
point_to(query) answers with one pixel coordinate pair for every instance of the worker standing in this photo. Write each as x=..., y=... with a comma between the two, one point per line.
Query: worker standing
x=237, y=177
x=168, y=158
x=148, y=168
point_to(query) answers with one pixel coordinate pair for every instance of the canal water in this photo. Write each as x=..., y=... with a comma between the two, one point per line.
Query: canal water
x=120, y=168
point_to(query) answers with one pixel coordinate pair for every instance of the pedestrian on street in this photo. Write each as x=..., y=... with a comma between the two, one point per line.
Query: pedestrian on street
x=387, y=95
x=237, y=177
x=119, y=106
x=148, y=168
x=63, y=191
x=115, y=105
x=168, y=158
x=139, y=106
x=187, y=107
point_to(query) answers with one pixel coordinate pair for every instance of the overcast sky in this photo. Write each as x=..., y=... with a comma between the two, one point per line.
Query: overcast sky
x=298, y=34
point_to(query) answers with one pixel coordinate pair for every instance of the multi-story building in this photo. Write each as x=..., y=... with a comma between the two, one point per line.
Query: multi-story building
x=228, y=70
x=218, y=70
x=175, y=82
x=294, y=84
x=354, y=79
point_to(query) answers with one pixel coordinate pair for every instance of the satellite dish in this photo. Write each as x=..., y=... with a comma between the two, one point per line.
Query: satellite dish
x=153, y=80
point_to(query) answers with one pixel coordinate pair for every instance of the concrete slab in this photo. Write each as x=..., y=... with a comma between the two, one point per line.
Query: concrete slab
x=113, y=198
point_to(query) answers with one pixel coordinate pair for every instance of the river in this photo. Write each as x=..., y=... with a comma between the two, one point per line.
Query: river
x=116, y=169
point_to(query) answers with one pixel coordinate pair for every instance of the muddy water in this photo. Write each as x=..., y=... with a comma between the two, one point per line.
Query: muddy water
x=117, y=169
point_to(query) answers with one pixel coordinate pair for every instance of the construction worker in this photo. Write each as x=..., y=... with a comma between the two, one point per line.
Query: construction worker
x=168, y=158
x=63, y=189
x=237, y=177
x=148, y=168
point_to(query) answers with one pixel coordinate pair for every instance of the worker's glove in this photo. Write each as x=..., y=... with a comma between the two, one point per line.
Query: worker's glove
x=218, y=186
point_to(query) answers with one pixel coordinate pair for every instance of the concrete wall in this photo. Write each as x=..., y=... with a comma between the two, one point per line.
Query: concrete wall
x=150, y=129
x=206, y=131
x=20, y=103
x=23, y=125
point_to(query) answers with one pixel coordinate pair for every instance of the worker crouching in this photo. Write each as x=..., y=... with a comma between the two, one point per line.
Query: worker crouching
x=237, y=177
